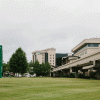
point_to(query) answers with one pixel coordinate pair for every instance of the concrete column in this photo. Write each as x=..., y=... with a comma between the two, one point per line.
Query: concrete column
x=94, y=62
x=88, y=72
x=70, y=69
x=76, y=74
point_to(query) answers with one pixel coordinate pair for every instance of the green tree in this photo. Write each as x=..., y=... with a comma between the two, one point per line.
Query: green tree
x=13, y=63
x=4, y=67
x=37, y=68
x=41, y=69
x=30, y=65
x=48, y=68
x=18, y=62
x=8, y=67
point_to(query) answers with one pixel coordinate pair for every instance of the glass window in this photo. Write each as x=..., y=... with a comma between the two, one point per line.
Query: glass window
x=93, y=45
x=88, y=45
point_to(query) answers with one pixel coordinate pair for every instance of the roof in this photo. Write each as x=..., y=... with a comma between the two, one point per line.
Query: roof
x=45, y=50
x=84, y=42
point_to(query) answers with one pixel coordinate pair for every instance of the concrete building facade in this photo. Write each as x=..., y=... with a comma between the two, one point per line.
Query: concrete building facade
x=43, y=56
x=86, y=57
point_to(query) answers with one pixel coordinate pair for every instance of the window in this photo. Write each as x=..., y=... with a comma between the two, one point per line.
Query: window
x=81, y=48
x=93, y=45
x=88, y=45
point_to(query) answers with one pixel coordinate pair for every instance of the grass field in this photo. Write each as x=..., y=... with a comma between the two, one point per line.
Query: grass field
x=49, y=89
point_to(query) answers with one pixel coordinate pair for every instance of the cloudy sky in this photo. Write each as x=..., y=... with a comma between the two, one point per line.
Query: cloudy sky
x=40, y=24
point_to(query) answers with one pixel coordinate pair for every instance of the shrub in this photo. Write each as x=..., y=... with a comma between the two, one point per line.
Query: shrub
x=92, y=74
x=72, y=75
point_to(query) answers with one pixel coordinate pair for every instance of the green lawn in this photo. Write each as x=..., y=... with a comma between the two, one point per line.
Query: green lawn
x=49, y=89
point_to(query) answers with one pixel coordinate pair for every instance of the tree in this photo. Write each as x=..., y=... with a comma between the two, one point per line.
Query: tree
x=12, y=63
x=18, y=62
x=48, y=68
x=36, y=68
x=41, y=69
x=30, y=65
x=4, y=67
x=8, y=67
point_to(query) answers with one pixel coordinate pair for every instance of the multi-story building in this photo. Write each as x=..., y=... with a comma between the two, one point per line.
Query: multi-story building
x=87, y=47
x=43, y=56
x=49, y=55
x=86, y=57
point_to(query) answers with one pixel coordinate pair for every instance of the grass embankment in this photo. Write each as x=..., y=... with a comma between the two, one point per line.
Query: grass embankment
x=49, y=89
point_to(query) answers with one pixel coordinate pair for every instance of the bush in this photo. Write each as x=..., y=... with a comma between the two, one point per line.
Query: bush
x=64, y=75
x=82, y=76
x=92, y=74
x=72, y=75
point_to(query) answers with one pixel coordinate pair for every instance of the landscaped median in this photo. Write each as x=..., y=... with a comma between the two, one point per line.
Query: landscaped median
x=49, y=89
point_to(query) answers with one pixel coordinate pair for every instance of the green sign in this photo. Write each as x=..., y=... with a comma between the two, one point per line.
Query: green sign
x=0, y=61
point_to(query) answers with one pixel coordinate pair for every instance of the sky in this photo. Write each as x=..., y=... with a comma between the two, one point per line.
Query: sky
x=41, y=24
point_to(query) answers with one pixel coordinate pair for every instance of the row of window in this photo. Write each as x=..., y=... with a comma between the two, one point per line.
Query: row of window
x=88, y=45
x=51, y=60
x=51, y=55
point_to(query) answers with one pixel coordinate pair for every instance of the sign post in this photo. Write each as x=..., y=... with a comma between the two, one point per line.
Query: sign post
x=0, y=61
